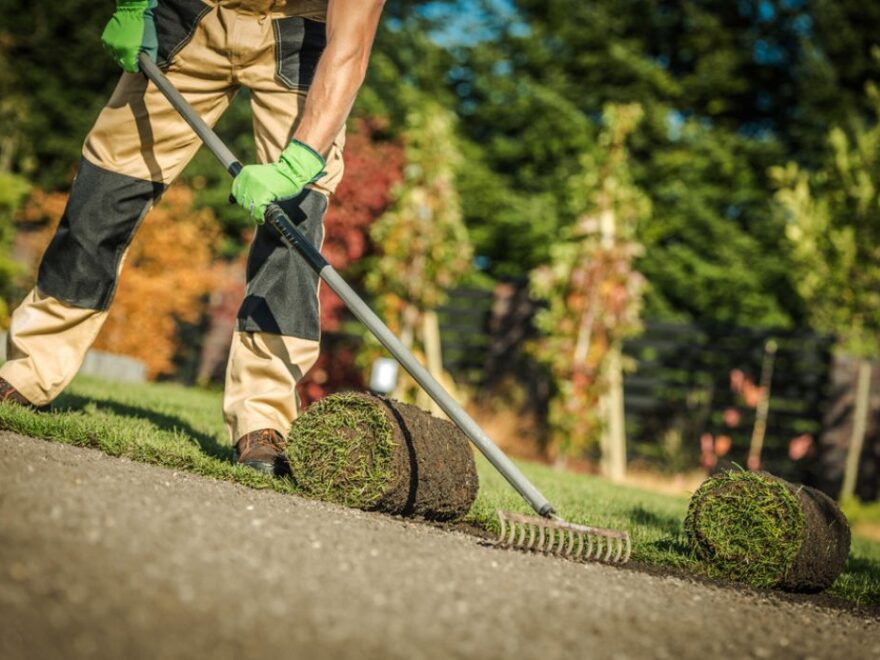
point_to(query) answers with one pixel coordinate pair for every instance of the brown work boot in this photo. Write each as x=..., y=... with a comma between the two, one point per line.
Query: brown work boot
x=9, y=393
x=263, y=451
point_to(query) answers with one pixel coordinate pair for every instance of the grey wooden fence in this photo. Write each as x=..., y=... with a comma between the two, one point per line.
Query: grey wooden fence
x=680, y=385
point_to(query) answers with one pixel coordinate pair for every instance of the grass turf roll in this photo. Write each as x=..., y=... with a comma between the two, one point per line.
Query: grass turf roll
x=764, y=531
x=378, y=454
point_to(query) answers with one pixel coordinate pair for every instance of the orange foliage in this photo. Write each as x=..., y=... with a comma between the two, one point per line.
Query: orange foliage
x=168, y=274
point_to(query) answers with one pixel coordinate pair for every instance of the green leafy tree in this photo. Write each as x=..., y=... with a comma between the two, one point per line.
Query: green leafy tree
x=835, y=64
x=55, y=55
x=833, y=224
x=714, y=251
x=531, y=98
x=13, y=192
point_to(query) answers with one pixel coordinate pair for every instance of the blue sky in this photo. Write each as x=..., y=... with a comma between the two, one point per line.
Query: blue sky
x=467, y=21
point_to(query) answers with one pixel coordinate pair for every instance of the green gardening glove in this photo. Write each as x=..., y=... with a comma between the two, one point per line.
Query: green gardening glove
x=257, y=186
x=130, y=31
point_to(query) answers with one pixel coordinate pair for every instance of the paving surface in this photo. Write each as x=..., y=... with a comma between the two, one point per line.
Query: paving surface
x=105, y=558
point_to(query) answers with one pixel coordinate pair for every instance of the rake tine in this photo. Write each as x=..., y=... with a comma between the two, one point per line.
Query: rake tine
x=522, y=534
x=558, y=537
x=570, y=545
x=618, y=545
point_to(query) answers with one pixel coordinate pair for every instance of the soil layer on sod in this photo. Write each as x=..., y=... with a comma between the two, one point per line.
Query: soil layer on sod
x=762, y=530
x=378, y=454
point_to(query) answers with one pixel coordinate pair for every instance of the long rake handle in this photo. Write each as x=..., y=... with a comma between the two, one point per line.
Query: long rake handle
x=294, y=238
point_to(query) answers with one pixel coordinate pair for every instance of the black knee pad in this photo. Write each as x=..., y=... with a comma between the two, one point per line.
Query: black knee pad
x=81, y=264
x=282, y=289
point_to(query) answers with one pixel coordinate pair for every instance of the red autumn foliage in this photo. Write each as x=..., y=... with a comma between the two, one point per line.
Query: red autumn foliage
x=372, y=168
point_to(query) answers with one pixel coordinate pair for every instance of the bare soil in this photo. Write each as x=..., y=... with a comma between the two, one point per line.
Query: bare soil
x=435, y=476
x=826, y=543
x=104, y=558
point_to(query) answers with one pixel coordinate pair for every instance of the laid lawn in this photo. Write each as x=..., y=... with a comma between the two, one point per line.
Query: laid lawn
x=182, y=428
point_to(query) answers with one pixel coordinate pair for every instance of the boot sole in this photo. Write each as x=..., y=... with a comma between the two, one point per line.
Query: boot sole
x=261, y=466
x=278, y=468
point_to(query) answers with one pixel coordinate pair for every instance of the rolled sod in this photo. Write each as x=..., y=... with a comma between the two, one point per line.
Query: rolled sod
x=378, y=454
x=764, y=531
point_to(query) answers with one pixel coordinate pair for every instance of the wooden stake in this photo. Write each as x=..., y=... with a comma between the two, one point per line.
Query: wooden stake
x=760, y=428
x=614, y=433
x=433, y=352
x=860, y=425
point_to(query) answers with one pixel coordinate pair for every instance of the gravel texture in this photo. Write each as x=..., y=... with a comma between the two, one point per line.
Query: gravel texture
x=104, y=558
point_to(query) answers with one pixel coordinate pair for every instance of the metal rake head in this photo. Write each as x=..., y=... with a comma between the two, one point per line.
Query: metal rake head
x=558, y=537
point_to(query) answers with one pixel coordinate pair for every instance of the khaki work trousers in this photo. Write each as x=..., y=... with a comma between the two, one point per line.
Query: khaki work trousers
x=137, y=147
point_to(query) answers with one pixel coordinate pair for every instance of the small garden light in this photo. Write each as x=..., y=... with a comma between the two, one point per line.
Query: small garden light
x=383, y=376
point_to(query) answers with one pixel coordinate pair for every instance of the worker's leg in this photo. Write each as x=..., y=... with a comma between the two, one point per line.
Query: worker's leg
x=138, y=145
x=278, y=333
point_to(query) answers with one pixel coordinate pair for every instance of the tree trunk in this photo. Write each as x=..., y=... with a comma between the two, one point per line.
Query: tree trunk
x=434, y=358
x=614, y=431
x=860, y=424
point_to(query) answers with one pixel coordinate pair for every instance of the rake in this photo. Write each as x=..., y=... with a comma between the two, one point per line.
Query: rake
x=545, y=533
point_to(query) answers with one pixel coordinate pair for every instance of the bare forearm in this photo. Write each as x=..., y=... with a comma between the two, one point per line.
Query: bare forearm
x=329, y=102
x=351, y=28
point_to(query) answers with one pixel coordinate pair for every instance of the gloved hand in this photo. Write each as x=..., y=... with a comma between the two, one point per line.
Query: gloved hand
x=130, y=31
x=257, y=186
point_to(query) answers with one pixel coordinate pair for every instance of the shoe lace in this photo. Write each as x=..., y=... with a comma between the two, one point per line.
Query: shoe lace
x=262, y=438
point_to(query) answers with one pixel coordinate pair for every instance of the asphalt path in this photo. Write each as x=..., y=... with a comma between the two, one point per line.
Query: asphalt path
x=105, y=558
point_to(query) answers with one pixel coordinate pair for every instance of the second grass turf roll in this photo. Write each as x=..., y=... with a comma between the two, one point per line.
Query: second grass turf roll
x=767, y=532
x=378, y=454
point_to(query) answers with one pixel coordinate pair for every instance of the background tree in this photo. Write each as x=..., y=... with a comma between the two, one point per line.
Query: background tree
x=591, y=289
x=13, y=191
x=421, y=242
x=531, y=95
x=833, y=223
x=374, y=167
